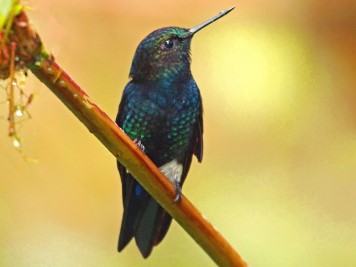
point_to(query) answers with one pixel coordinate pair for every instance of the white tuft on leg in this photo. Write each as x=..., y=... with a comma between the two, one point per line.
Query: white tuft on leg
x=172, y=170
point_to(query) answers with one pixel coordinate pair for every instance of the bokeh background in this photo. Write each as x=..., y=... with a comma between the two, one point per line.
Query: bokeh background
x=278, y=80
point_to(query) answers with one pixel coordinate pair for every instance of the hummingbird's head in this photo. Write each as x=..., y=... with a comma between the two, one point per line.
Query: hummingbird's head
x=163, y=53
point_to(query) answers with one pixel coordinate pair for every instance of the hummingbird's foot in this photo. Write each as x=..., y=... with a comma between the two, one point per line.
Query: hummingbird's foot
x=139, y=144
x=178, y=190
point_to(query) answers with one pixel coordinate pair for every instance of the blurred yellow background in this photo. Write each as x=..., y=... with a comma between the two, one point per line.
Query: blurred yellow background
x=278, y=80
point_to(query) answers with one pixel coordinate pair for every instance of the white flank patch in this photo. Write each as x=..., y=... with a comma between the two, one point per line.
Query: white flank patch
x=173, y=170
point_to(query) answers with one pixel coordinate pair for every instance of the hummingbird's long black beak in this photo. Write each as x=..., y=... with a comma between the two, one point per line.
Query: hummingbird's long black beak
x=197, y=28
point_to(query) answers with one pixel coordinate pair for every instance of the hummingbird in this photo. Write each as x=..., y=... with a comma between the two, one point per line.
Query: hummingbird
x=161, y=111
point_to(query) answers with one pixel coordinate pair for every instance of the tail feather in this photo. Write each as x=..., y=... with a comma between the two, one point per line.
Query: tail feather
x=143, y=219
x=126, y=235
x=163, y=229
x=147, y=228
x=152, y=227
x=133, y=207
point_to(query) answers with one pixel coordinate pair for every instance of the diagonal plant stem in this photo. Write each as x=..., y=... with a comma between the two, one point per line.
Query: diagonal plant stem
x=46, y=69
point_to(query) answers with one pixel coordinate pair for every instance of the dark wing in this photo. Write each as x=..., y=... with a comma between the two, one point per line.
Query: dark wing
x=198, y=137
x=195, y=145
x=143, y=217
x=132, y=205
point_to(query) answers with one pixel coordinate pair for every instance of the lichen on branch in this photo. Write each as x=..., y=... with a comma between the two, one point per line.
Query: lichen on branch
x=19, y=46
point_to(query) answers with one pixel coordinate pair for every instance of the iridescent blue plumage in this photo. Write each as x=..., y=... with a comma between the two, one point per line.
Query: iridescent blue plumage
x=161, y=108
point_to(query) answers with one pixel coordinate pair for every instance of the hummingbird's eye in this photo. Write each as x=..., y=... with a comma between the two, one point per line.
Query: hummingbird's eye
x=169, y=43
